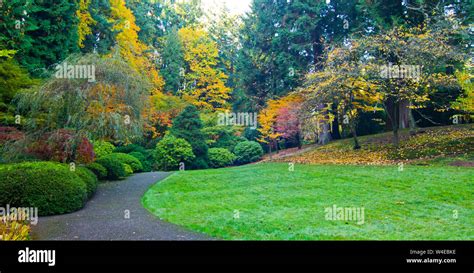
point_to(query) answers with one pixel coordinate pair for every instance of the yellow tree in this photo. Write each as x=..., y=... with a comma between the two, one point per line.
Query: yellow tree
x=85, y=21
x=267, y=118
x=205, y=85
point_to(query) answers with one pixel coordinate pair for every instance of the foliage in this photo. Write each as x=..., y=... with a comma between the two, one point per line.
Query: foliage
x=109, y=108
x=173, y=67
x=248, y=152
x=27, y=185
x=13, y=230
x=42, y=33
x=130, y=148
x=89, y=178
x=376, y=149
x=115, y=168
x=102, y=148
x=205, y=86
x=187, y=126
x=220, y=157
x=85, y=21
x=126, y=159
x=171, y=151
x=99, y=170
x=128, y=169
x=144, y=160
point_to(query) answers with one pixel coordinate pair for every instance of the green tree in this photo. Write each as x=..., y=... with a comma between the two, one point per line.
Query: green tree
x=173, y=66
x=188, y=125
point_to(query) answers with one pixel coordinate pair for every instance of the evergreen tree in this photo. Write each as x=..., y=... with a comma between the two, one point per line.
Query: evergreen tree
x=188, y=125
x=43, y=32
x=173, y=66
x=102, y=37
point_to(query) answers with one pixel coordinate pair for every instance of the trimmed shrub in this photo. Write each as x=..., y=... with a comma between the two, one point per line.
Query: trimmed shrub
x=102, y=148
x=127, y=159
x=99, y=170
x=128, y=169
x=247, y=152
x=170, y=151
x=130, y=148
x=115, y=168
x=51, y=187
x=89, y=178
x=142, y=158
x=220, y=157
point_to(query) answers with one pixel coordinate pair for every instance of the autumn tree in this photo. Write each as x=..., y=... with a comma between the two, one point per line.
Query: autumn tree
x=205, y=85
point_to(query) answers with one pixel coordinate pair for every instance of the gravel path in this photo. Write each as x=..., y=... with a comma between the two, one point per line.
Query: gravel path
x=104, y=216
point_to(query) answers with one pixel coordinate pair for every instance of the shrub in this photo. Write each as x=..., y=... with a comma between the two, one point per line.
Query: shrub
x=89, y=178
x=99, y=170
x=127, y=159
x=170, y=151
x=62, y=145
x=187, y=125
x=51, y=187
x=128, y=169
x=103, y=148
x=247, y=152
x=130, y=148
x=14, y=230
x=115, y=168
x=142, y=158
x=220, y=157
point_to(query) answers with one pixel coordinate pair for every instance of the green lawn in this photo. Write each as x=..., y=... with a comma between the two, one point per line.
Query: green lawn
x=269, y=202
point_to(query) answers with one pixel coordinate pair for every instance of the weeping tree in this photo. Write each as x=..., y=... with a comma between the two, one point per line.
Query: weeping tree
x=90, y=96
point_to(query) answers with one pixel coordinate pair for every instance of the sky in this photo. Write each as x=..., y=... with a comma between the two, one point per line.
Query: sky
x=236, y=7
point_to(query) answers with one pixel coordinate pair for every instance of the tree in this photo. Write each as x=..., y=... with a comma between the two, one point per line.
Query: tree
x=205, y=85
x=188, y=125
x=102, y=37
x=44, y=33
x=173, y=66
x=85, y=21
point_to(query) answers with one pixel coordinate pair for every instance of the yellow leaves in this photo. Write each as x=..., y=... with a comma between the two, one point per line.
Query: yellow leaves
x=13, y=230
x=206, y=87
x=85, y=21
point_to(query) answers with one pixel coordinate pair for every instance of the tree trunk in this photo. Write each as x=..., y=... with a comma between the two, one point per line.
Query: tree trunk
x=325, y=136
x=354, y=135
x=411, y=121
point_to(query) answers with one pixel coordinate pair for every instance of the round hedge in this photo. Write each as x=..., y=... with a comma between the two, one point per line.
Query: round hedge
x=102, y=148
x=143, y=159
x=171, y=151
x=220, y=157
x=89, y=178
x=99, y=170
x=115, y=168
x=128, y=169
x=127, y=159
x=247, y=152
x=51, y=187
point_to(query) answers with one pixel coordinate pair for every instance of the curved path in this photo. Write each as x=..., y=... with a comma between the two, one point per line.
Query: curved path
x=105, y=216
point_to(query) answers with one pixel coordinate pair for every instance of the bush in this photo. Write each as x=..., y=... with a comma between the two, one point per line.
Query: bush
x=102, y=148
x=128, y=169
x=99, y=170
x=170, y=151
x=247, y=152
x=130, y=148
x=14, y=230
x=115, y=168
x=51, y=187
x=220, y=157
x=143, y=159
x=89, y=178
x=127, y=159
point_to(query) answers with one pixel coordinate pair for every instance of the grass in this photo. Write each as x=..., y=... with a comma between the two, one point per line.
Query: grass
x=429, y=143
x=269, y=202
